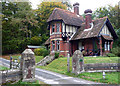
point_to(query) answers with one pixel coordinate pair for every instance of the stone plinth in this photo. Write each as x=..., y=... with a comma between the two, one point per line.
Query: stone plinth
x=77, y=62
x=28, y=65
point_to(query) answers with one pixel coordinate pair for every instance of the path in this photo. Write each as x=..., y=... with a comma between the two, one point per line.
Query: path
x=49, y=77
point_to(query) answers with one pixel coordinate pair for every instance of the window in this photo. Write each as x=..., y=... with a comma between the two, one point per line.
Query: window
x=53, y=45
x=53, y=28
x=105, y=46
x=58, y=27
x=58, y=45
x=63, y=27
x=69, y=28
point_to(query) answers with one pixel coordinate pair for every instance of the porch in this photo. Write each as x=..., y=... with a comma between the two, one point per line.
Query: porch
x=97, y=46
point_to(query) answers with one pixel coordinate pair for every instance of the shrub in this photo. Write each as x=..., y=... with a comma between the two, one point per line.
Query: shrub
x=36, y=40
x=56, y=55
x=61, y=56
x=116, y=51
x=41, y=52
x=37, y=52
x=45, y=52
x=110, y=55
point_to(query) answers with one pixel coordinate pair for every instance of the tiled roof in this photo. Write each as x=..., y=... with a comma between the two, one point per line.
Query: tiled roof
x=97, y=25
x=67, y=16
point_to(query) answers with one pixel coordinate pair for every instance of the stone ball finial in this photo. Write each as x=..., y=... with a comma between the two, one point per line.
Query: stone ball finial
x=76, y=4
x=88, y=11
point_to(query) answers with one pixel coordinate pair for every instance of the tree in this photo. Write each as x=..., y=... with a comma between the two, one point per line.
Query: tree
x=66, y=2
x=43, y=12
x=18, y=24
x=112, y=12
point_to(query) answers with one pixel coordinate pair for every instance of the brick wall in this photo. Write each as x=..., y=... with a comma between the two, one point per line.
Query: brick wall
x=74, y=46
x=64, y=45
x=88, y=44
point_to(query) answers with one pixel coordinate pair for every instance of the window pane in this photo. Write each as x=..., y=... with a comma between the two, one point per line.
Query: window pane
x=58, y=27
x=53, y=45
x=53, y=28
x=63, y=27
x=58, y=45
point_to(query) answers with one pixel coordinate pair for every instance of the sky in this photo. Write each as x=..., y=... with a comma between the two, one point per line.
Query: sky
x=84, y=4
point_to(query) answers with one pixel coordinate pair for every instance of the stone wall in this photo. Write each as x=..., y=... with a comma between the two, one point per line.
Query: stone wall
x=46, y=60
x=102, y=66
x=10, y=76
x=26, y=71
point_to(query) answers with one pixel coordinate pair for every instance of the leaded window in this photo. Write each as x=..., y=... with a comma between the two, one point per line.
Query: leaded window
x=58, y=45
x=53, y=28
x=58, y=27
x=53, y=45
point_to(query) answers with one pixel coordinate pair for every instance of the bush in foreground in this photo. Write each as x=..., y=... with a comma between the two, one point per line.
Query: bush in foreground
x=41, y=52
x=116, y=51
x=110, y=55
x=56, y=55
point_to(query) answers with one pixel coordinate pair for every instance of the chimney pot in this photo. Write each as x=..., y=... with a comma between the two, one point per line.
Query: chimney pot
x=76, y=8
x=76, y=4
x=88, y=11
x=88, y=18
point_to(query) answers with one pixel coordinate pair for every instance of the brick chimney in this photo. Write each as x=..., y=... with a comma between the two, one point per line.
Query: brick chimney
x=88, y=18
x=76, y=8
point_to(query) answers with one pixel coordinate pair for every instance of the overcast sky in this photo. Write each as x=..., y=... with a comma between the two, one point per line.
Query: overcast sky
x=84, y=4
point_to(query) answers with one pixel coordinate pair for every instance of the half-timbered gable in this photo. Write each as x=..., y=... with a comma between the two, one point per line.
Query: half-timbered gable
x=105, y=31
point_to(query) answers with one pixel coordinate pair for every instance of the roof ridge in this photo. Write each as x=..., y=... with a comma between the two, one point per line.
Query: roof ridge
x=68, y=17
x=100, y=18
x=64, y=10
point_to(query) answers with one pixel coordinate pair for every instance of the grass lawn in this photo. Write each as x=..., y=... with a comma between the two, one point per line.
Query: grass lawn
x=38, y=58
x=36, y=83
x=3, y=68
x=99, y=59
x=111, y=77
x=20, y=83
x=16, y=56
x=60, y=66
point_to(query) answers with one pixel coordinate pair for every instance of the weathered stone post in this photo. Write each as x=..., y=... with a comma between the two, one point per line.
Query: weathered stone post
x=77, y=62
x=68, y=63
x=28, y=65
x=10, y=62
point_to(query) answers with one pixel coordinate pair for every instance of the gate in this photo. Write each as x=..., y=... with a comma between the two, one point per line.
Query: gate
x=21, y=69
x=14, y=63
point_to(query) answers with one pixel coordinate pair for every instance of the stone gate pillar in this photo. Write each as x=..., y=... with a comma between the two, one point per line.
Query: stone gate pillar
x=28, y=65
x=77, y=62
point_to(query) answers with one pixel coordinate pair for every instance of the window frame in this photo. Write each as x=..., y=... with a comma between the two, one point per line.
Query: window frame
x=58, y=45
x=53, y=46
x=58, y=27
x=53, y=28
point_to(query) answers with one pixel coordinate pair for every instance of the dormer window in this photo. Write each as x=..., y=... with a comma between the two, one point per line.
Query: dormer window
x=58, y=27
x=53, y=28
